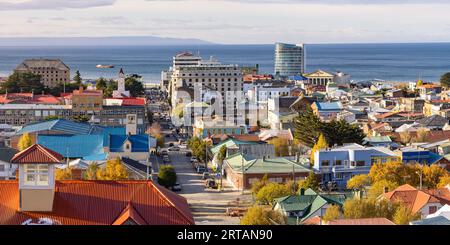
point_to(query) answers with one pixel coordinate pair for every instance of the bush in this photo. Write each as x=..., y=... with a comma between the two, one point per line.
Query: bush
x=167, y=176
x=259, y=215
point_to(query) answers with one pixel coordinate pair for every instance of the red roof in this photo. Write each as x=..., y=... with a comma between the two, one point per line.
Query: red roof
x=29, y=98
x=37, y=154
x=101, y=203
x=133, y=101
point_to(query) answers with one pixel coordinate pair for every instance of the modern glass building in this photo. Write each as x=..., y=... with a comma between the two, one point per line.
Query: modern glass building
x=289, y=59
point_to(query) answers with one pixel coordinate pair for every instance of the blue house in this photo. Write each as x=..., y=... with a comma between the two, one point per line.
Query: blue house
x=341, y=164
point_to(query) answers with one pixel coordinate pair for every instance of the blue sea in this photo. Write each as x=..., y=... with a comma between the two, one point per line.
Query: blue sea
x=391, y=62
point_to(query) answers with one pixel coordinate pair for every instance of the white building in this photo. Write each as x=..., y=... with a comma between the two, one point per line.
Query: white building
x=121, y=92
x=289, y=59
x=7, y=169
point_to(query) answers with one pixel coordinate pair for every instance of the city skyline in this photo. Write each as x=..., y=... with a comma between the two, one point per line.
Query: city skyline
x=231, y=21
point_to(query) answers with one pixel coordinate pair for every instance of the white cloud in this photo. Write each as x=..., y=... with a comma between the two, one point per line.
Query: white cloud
x=53, y=4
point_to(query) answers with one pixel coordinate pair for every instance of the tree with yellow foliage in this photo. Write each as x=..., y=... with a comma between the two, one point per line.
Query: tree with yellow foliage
x=91, y=171
x=433, y=174
x=333, y=212
x=444, y=181
x=321, y=144
x=24, y=142
x=63, y=174
x=403, y=215
x=114, y=170
x=358, y=182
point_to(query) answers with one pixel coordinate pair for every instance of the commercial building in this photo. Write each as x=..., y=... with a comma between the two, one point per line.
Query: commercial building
x=289, y=59
x=52, y=71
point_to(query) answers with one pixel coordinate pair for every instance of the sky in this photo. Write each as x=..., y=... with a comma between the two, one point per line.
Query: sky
x=232, y=21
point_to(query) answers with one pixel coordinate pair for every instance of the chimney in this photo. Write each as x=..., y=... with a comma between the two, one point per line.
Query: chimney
x=302, y=191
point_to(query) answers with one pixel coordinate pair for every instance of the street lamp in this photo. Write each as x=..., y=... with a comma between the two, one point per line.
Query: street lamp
x=420, y=173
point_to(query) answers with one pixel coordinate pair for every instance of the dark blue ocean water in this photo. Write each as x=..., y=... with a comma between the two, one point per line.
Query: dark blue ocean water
x=392, y=62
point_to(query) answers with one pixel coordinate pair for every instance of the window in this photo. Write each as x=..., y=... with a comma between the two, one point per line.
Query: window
x=36, y=174
x=338, y=162
x=432, y=209
x=325, y=163
x=338, y=175
x=360, y=163
x=2, y=168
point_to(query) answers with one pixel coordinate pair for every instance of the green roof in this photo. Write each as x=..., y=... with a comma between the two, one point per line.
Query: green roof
x=310, y=202
x=378, y=139
x=267, y=165
x=231, y=143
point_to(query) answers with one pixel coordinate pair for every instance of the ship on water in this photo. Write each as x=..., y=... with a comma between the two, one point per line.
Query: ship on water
x=105, y=66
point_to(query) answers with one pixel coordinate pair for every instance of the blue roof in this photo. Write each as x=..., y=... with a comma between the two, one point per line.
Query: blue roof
x=298, y=78
x=325, y=106
x=139, y=143
x=73, y=146
x=62, y=125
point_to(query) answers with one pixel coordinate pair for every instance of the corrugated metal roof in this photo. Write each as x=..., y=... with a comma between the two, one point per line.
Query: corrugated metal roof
x=139, y=143
x=100, y=203
x=73, y=146
x=62, y=125
x=37, y=154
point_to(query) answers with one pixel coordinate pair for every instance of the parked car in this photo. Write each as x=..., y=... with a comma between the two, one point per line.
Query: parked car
x=188, y=154
x=170, y=144
x=201, y=169
x=177, y=187
x=193, y=159
x=206, y=175
x=174, y=148
x=211, y=183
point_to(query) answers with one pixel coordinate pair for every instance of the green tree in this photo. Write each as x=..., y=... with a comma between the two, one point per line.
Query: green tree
x=333, y=212
x=24, y=142
x=358, y=182
x=135, y=86
x=341, y=132
x=167, y=176
x=77, y=78
x=259, y=215
x=269, y=192
x=445, y=80
x=22, y=82
x=307, y=127
x=114, y=170
x=311, y=182
x=369, y=208
x=101, y=84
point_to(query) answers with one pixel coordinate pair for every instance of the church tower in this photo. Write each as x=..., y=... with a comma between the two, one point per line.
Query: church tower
x=121, y=92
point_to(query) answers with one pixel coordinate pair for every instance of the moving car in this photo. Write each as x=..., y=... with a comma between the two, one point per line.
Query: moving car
x=201, y=169
x=177, y=187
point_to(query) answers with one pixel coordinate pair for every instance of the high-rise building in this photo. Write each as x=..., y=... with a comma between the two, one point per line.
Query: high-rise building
x=52, y=71
x=289, y=59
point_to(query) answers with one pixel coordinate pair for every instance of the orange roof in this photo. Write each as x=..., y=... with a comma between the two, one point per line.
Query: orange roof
x=366, y=221
x=443, y=194
x=411, y=197
x=87, y=92
x=429, y=86
x=132, y=101
x=315, y=220
x=37, y=154
x=101, y=203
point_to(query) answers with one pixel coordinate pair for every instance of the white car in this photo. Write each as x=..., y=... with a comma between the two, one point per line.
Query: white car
x=193, y=159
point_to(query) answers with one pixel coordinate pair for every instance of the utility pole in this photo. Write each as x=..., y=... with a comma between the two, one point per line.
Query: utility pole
x=243, y=170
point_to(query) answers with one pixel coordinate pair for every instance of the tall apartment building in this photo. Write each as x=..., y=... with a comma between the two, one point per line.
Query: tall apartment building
x=226, y=80
x=181, y=59
x=52, y=71
x=289, y=59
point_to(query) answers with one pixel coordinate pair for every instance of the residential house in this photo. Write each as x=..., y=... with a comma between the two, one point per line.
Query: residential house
x=418, y=201
x=36, y=198
x=436, y=107
x=381, y=141
x=248, y=148
x=7, y=169
x=280, y=113
x=242, y=171
x=307, y=204
x=394, y=93
x=326, y=111
x=317, y=220
x=414, y=105
x=434, y=122
x=342, y=163
x=411, y=154
x=440, y=217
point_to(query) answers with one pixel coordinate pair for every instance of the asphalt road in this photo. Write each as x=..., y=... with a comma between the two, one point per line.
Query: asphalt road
x=207, y=205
